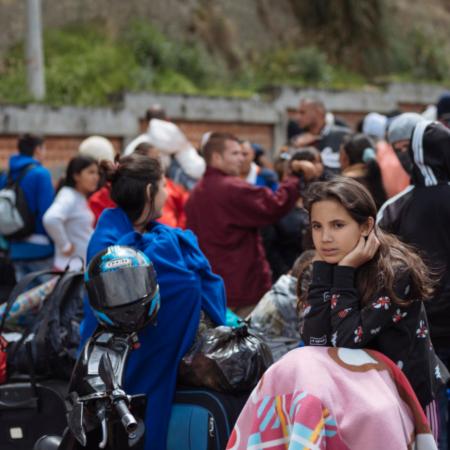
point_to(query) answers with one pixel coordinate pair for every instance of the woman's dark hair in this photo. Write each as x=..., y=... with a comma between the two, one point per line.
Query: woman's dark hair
x=360, y=149
x=75, y=166
x=306, y=154
x=393, y=258
x=355, y=145
x=129, y=177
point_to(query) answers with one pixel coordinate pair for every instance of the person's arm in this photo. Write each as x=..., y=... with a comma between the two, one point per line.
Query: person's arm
x=212, y=286
x=256, y=206
x=55, y=218
x=191, y=162
x=45, y=192
x=353, y=325
x=316, y=325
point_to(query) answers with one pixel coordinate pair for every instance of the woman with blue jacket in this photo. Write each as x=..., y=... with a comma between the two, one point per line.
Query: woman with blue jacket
x=187, y=285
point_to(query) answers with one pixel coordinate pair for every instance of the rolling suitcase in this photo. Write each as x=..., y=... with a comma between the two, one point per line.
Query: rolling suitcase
x=202, y=419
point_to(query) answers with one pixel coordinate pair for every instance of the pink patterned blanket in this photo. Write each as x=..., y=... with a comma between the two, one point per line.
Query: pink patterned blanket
x=332, y=398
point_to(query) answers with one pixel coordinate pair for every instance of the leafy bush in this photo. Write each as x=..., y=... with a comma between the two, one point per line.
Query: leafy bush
x=13, y=80
x=86, y=66
x=154, y=50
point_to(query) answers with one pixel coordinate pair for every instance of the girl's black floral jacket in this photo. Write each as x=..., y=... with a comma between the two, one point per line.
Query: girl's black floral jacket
x=334, y=317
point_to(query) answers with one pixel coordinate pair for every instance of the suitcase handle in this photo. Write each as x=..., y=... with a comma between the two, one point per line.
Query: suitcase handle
x=30, y=403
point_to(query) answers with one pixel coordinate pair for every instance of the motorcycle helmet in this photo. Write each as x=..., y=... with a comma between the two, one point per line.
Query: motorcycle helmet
x=122, y=288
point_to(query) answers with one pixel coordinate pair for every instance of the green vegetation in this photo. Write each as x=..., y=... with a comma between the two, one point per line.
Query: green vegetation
x=87, y=66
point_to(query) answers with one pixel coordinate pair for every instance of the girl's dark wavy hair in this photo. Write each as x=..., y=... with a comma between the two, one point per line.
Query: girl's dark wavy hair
x=393, y=258
x=129, y=177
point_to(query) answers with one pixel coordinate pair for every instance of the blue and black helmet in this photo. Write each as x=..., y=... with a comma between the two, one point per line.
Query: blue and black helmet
x=123, y=289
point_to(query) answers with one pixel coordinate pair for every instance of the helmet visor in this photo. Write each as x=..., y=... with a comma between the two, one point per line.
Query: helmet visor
x=121, y=287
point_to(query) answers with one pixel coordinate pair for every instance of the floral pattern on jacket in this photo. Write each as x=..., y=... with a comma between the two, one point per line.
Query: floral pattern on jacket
x=336, y=318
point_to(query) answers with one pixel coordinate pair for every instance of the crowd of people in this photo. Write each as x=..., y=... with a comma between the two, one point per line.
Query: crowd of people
x=342, y=239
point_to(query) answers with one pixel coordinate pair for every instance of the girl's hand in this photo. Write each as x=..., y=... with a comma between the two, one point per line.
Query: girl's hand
x=307, y=168
x=364, y=251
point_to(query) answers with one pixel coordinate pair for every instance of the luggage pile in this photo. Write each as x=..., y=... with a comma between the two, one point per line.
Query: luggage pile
x=39, y=330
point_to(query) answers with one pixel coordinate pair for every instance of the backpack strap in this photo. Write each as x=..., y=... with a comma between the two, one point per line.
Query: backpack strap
x=21, y=287
x=22, y=174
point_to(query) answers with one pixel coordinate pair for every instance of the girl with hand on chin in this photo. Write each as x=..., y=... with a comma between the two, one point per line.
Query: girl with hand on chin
x=367, y=288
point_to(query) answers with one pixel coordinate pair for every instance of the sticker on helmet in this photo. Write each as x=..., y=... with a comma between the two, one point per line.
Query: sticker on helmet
x=118, y=263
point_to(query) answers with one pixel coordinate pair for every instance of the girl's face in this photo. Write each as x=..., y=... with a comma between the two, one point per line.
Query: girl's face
x=87, y=180
x=335, y=233
x=160, y=198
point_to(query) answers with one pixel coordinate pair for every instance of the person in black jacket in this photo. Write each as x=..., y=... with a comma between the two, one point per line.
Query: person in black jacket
x=367, y=288
x=420, y=215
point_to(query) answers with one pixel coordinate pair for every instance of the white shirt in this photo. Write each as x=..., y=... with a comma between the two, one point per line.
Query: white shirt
x=69, y=221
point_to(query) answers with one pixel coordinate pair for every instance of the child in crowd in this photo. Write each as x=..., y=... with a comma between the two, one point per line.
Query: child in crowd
x=358, y=161
x=367, y=288
x=69, y=220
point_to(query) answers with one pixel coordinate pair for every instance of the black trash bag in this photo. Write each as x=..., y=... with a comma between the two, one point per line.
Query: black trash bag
x=225, y=359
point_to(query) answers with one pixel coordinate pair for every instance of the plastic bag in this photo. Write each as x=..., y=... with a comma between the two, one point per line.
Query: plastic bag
x=275, y=318
x=225, y=359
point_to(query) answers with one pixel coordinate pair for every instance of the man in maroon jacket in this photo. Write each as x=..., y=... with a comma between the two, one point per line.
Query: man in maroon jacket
x=226, y=212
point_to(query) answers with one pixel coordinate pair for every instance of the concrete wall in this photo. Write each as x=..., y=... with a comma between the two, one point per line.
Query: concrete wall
x=260, y=121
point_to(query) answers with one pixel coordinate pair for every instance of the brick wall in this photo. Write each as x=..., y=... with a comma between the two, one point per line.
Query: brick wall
x=411, y=107
x=59, y=150
x=260, y=133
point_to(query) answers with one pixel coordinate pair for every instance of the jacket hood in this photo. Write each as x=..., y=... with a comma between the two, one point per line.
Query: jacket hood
x=18, y=162
x=430, y=152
